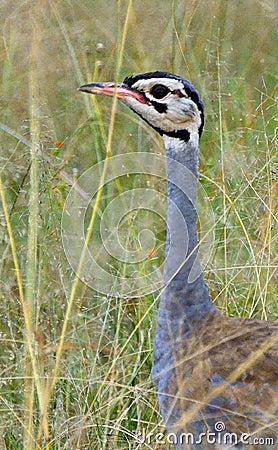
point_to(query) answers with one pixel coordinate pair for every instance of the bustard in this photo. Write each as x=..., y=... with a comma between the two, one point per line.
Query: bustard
x=209, y=369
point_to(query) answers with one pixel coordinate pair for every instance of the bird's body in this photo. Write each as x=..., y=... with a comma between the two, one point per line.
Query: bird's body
x=209, y=369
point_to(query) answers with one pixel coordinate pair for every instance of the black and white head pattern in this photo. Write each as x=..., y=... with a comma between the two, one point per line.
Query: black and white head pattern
x=172, y=106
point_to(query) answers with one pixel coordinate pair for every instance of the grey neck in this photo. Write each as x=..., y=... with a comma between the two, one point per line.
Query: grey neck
x=185, y=292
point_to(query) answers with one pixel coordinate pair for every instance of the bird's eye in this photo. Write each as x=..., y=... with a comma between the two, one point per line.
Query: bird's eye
x=159, y=91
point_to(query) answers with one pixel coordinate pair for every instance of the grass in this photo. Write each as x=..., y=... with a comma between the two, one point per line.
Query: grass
x=75, y=363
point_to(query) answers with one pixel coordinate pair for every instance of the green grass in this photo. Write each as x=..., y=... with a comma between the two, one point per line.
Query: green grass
x=75, y=363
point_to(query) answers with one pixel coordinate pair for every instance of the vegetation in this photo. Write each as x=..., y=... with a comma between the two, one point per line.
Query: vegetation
x=76, y=362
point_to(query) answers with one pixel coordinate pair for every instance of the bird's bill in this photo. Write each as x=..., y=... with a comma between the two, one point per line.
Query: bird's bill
x=122, y=90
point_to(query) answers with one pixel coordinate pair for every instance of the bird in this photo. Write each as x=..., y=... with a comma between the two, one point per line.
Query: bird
x=216, y=376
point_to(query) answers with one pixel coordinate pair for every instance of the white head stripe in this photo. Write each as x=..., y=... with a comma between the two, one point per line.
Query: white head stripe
x=172, y=84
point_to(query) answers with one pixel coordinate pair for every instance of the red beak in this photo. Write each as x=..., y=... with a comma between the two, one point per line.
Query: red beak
x=122, y=90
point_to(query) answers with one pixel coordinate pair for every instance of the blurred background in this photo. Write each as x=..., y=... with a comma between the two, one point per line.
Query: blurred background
x=75, y=363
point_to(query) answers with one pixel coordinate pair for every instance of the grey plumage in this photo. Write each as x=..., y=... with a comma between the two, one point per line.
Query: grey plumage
x=207, y=368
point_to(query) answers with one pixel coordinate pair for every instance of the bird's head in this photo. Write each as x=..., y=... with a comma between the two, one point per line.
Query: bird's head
x=167, y=102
